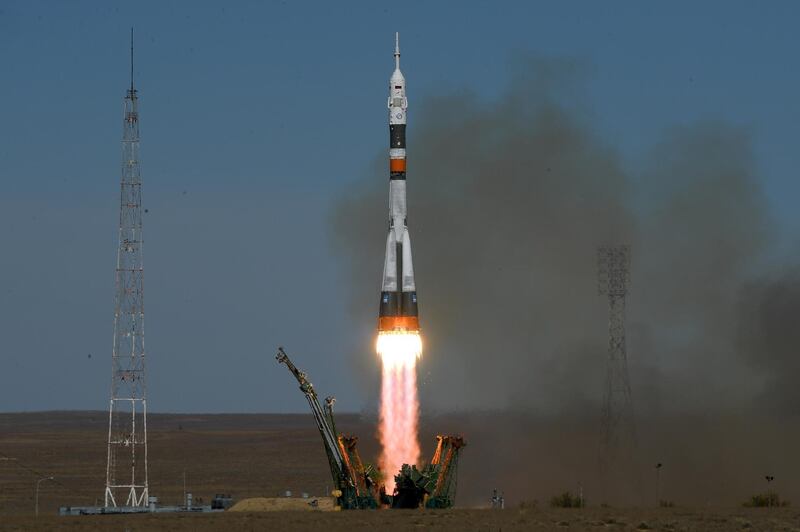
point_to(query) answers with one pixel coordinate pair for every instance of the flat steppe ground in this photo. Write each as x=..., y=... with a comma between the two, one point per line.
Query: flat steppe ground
x=458, y=519
x=264, y=456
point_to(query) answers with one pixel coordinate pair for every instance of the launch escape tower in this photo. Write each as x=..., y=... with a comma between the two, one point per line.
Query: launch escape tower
x=617, y=416
x=126, y=470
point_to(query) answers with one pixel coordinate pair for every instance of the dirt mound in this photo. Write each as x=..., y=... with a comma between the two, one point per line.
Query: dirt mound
x=264, y=504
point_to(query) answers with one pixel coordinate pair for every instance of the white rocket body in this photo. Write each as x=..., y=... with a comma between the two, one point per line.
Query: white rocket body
x=398, y=308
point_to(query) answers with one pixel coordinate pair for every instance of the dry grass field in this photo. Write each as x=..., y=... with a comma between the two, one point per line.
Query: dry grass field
x=458, y=519
x=244, y=455
x=265, y=455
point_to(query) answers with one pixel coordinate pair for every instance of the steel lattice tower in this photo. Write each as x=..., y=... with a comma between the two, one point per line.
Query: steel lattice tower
x=617, y=417
x=126, y=470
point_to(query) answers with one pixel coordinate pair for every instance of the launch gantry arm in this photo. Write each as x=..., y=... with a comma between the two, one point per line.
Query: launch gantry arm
x=324, y=422
x=354, y=486
x=445, y=461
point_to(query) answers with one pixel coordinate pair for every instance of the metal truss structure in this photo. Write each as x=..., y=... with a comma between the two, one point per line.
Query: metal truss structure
x=618, y=424
x=126, y=470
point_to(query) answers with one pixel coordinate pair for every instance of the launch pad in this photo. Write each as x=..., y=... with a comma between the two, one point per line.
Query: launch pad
x=360, y=486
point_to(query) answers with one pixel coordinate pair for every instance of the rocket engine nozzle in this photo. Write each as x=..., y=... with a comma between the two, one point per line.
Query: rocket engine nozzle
x=398, y=323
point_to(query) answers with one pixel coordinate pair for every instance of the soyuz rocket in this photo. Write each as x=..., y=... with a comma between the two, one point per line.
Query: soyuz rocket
x=398, y=308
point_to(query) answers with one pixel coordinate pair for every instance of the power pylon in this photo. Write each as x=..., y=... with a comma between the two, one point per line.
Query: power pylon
x=126, y=470
x=618, y=425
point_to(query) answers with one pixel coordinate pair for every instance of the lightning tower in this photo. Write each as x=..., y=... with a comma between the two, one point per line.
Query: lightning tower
x=618, y=425
x=126, y=470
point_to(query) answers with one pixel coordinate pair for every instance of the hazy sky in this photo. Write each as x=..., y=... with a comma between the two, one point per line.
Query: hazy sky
x=254, y=119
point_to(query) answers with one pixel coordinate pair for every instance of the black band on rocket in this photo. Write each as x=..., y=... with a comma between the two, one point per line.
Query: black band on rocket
x=398, y=304
x=397, y=135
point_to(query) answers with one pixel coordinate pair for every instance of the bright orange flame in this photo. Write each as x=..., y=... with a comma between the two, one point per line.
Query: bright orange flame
x=399, y=351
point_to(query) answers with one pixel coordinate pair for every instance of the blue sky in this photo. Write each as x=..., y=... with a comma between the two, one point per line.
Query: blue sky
x=254, y=117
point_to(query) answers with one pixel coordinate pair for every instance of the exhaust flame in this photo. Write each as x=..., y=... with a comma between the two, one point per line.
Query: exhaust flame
x=399, y=352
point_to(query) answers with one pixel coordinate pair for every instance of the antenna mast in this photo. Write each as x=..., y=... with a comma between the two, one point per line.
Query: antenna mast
x=618, y=427
x=132, y=89
x=126, y=469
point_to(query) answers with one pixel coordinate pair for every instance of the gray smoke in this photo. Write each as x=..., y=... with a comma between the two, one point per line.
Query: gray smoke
x=508, y=201
x=769, y=339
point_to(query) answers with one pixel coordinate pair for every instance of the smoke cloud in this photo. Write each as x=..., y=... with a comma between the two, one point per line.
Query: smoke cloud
x=508, y=202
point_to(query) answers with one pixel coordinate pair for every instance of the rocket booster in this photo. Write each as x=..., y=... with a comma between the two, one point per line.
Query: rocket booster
x=398, y=308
